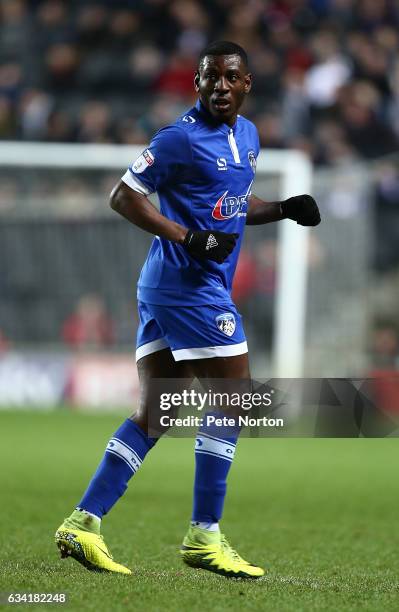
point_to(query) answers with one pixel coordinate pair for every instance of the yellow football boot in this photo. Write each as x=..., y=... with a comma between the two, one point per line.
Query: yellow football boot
x=88, y=548
x=211, y=551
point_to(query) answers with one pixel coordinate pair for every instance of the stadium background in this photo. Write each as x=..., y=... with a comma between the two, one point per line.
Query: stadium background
x=326, y=81
x=320, y=514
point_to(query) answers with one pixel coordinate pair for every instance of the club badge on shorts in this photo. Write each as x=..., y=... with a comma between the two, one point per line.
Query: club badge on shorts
x=226, y=323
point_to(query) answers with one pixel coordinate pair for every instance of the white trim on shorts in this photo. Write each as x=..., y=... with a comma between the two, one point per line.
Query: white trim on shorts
x=151, y=347
x=226, y=350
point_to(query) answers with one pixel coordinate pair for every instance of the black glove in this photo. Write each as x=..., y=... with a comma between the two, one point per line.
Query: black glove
x=302, y=209
x=210, y=244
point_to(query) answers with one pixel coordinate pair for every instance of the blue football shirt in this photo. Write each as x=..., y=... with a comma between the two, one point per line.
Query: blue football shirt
x=203, y=172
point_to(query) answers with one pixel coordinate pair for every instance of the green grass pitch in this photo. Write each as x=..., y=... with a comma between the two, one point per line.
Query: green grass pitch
x=320, y=514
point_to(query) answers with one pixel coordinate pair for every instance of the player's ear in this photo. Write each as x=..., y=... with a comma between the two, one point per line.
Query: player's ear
x=248, y=82
x=196, y=81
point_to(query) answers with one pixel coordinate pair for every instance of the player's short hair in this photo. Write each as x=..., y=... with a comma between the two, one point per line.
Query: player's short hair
x=223, y=47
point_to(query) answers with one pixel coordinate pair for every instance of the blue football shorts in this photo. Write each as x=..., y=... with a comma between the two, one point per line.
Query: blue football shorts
x=191, y=332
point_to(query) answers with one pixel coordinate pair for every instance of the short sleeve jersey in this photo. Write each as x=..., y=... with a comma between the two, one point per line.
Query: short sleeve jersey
x=203, y=172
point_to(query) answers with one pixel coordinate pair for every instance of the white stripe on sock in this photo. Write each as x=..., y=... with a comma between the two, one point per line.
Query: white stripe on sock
x=207, y=526
x=129, y=448
x=89, y=513
x=214, y=446
x=115, y=447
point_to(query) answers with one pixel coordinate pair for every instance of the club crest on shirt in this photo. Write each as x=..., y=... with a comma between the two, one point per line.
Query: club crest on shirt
x=226, y=323
x=252, y=160
x=143, y=161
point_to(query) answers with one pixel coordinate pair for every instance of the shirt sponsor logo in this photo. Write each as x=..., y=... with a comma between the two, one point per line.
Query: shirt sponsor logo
x=229, y=206
x=143, y=161
x=226, y=323
x=252, y=160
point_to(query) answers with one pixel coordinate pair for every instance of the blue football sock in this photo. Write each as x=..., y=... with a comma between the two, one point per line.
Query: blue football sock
x=124, y=454
x=214, y=454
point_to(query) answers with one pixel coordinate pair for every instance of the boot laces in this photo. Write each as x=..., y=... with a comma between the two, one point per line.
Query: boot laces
x=229, y=550
x=105, y=546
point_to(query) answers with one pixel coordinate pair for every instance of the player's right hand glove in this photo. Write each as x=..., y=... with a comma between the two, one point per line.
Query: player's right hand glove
x=210, y=244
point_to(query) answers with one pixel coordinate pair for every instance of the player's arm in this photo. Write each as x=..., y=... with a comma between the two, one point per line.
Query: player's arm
x=159, y=166
x=302, y=209
x=138, y=209
x=201, y=244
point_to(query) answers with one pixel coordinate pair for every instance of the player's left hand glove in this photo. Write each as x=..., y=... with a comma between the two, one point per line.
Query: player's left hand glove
x=302, y=209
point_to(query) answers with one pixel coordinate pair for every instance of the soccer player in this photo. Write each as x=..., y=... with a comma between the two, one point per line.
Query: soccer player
x=202, y=168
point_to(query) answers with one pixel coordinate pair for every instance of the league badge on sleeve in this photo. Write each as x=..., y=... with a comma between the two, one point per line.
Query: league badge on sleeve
x=226, y=323
x=143, y=161
x=252, y=160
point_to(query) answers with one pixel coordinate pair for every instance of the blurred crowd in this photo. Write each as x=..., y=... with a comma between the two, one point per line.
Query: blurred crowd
x=326, y=81
x=326, y=72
